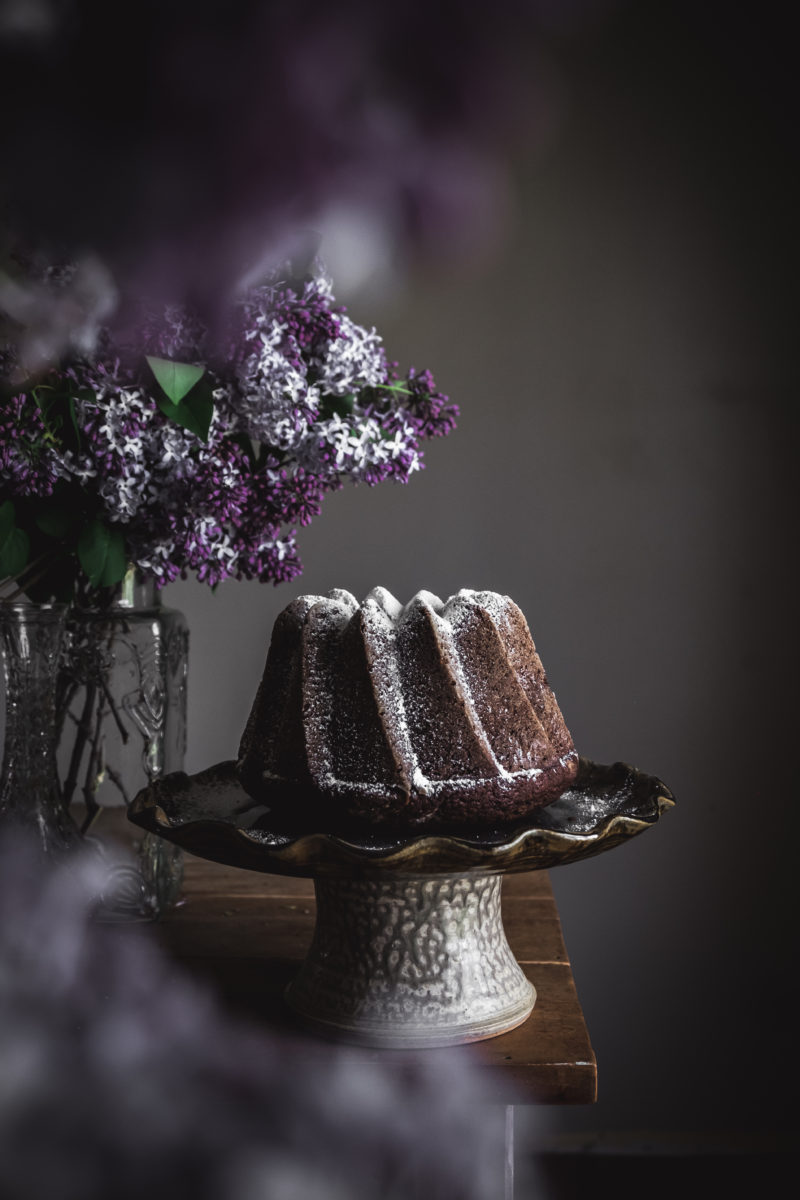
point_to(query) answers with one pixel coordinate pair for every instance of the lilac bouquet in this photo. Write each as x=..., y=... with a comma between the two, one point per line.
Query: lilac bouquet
x=161, y=450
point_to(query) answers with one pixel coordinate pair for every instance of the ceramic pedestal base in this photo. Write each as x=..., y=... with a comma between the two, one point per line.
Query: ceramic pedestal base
x=409, y=948
x=411, y=961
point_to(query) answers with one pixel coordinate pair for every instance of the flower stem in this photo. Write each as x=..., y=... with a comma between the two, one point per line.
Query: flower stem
x=83, y=734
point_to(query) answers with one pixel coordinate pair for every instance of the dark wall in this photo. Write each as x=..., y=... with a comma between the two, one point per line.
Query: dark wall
x=622, y=469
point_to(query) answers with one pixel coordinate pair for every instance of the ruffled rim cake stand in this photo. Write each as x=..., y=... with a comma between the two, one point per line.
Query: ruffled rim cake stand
x=409, y=948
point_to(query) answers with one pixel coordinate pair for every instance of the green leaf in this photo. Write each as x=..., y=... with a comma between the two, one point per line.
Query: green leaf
x=343, y=405
x=47, y=401
x=15, y=544
x=73, y=416
x=174, y=378
x=101, y=553
x=194, y=412
x=55, y=520
x=57, y=406
x=7, y=519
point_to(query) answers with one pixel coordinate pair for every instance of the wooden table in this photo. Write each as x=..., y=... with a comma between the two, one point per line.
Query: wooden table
x=247, y=933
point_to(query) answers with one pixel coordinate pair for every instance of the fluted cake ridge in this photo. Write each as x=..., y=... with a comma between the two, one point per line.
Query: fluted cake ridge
x=432, y=712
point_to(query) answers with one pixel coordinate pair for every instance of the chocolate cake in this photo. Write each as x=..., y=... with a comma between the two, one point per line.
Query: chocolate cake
x=433, y=714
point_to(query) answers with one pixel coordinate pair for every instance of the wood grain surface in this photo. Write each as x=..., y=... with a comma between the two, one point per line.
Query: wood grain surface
x=246, y=933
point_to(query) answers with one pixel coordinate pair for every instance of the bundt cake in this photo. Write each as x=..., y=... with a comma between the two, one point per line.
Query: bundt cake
x=431, y=714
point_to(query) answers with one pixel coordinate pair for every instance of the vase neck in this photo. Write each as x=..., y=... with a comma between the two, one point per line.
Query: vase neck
x=135, y=590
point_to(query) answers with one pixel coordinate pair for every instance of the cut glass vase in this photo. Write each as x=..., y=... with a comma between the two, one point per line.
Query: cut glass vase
x=95, y=710
x=122, y=724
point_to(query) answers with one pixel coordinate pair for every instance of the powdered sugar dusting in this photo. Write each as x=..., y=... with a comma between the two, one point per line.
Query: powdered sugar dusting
x=386, y=602
x=381, y=612
x=495, y=605
x=440, y=613
x=398, y=642
x=341, y=596
x=324, y=622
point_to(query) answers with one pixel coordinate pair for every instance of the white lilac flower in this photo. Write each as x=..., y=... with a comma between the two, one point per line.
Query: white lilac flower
x=303, y=401
x=156, y=559
x=352, y=361
x=270, y=389
x=80, y=468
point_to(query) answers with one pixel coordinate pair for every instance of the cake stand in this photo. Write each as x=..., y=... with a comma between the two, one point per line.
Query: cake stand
x=409, y=948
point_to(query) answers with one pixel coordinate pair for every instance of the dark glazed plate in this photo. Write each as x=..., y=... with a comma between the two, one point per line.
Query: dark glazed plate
x=211, y=815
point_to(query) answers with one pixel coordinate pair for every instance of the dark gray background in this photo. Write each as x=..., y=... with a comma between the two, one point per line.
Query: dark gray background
x=621, y=469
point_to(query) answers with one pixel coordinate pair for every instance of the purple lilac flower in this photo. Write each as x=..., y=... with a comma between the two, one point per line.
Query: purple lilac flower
x=304, y=400
x=26, y=467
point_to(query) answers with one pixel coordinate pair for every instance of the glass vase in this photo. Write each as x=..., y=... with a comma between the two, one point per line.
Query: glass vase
x=122, y=724
x=32, y=639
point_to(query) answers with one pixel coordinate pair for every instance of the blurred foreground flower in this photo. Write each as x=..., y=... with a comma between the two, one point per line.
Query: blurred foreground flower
x=187, y=146
x=119, y=1077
